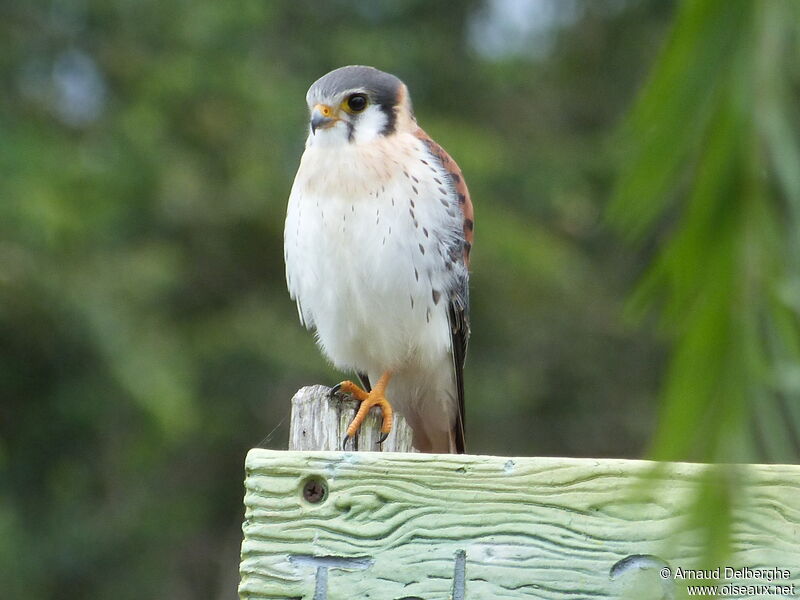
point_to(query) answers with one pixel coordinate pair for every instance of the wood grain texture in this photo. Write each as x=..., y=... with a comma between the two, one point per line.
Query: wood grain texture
x=420, y=526
x=319, y=422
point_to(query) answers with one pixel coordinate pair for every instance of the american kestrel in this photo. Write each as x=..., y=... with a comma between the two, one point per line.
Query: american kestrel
x=377, y=241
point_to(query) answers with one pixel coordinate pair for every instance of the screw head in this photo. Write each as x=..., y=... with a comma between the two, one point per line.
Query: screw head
x=314, y=490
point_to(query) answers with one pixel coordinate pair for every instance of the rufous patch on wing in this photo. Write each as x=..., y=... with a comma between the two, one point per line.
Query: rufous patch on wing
x=464, y=200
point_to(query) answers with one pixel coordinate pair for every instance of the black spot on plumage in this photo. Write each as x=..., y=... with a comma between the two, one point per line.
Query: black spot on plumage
x=413, y=187
x=444, y=201
x=425, y=231
x=416, y=274
x=423, y=161
x=468, y=225
x=437, y=180
x=462, y=198
x=455, y=177
x=412, y=301
x=428, y=315
x=411, y=200
x=415, y=179
x=406, y=174
x=422, y=249
x=444, y=191
x=436, y=296
x=467, y=247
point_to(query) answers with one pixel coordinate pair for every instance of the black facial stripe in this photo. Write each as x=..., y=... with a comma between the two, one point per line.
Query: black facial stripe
x=391, y=119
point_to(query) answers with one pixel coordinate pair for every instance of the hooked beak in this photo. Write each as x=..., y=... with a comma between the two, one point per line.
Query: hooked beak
x=322, y=117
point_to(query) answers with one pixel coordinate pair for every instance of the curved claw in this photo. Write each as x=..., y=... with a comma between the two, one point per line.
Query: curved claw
x=335, y=390
x=382, y=438
x=344, y=442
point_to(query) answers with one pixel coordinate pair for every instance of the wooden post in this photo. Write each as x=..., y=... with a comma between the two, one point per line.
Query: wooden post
x=319, y=422
x=334, y=525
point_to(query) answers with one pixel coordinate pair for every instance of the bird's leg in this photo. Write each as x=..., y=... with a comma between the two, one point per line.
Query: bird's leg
x=377, y=397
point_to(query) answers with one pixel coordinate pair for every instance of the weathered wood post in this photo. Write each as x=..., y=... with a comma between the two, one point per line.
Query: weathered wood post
x=333, y=525
x=319, y=422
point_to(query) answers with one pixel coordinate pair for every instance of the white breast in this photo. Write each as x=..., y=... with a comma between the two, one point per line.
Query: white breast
x=367, y=241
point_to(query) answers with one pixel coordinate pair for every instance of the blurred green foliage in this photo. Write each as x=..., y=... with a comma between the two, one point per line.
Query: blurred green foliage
x=147, y=340
x=719, y=165
x=710, y=185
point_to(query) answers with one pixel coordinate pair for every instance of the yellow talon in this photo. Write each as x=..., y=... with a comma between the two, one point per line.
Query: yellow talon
x=351, y=389
x=377, y=397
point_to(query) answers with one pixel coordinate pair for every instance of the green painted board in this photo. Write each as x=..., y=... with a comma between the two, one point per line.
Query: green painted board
x=391, y=526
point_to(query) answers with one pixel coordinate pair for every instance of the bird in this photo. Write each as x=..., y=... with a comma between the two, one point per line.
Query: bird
x=377, y=239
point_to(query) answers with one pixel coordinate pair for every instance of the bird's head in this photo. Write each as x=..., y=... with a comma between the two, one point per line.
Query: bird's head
x=356, y=104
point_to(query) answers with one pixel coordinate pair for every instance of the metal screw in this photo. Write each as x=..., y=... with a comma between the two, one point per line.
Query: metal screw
x=314, y=491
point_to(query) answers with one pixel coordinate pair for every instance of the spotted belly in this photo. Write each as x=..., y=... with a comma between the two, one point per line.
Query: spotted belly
x=366, y=276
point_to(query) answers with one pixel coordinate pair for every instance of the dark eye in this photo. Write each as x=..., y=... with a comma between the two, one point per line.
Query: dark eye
x=357, y=102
